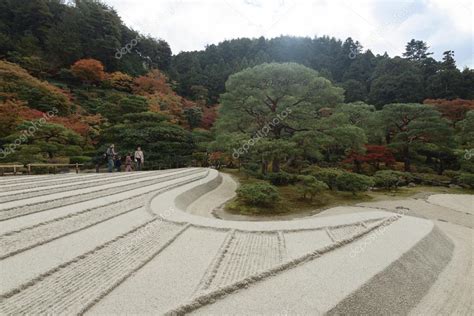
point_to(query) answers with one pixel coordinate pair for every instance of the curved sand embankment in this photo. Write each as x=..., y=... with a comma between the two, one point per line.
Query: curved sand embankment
x=133, y=246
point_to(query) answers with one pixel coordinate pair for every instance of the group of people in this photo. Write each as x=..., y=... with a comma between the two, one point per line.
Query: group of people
x=114, y=160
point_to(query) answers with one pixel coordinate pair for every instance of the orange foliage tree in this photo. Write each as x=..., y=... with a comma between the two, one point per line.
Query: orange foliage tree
x=161, y=97
x=120, y=81
x=88, y=70
x=153, y=82
x=17, y=84
x=454, y=110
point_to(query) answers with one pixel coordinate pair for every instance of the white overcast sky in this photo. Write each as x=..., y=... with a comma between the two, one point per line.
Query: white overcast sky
x=380, y=25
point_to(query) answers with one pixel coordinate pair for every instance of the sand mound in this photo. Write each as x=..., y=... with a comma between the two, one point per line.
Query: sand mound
x=136, y=244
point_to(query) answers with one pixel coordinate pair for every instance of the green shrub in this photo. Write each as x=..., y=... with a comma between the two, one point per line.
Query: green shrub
x=310, y=170
x=80, y=159
x=467, y=165
x=452, y=174
x=466, y=179
x=391, y=179
x=431, y=179
x=353, y=182
x=281, y=178
x=251, y=169
x=424, y=169
x=258, y=194
x=328, y=176
x=309, y=185
x=41, y=170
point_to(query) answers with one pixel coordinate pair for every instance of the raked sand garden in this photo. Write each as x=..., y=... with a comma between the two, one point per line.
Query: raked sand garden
x=147, y=243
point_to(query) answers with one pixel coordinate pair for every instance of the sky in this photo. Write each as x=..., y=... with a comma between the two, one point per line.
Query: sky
x=379, y=25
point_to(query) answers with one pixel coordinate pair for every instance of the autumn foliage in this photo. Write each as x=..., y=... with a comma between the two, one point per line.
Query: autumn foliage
x=152, y=83
x=161, y=97
x=374, y=155
x=88, y=70
x=209, y=116
x=120, y=81
x=17, y=84
x=453, y=110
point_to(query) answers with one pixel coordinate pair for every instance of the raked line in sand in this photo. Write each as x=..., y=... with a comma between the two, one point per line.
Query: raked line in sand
x=171, y=261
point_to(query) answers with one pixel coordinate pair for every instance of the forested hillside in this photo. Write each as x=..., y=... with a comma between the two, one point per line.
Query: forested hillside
x=45, y=36
x=102, y=82
x=74, y=78
x=377, y=79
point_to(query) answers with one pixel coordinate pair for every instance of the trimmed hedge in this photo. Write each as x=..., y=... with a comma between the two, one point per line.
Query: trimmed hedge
x=328, y=176
x=309, y=185
x=258, y=194
x=392, y=179
x=354, y=182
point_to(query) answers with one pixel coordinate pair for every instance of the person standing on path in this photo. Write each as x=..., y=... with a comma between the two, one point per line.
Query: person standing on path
x=118, y=163
x=139, y=158
x=110, y=154
x=128, y=162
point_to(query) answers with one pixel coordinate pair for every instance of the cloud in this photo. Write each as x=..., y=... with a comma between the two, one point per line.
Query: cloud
x=379, y=25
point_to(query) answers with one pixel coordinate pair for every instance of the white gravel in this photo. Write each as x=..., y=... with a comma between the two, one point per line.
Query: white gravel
x=215, y=198
x=146, y=243
x=458, y=202
x=173, y=275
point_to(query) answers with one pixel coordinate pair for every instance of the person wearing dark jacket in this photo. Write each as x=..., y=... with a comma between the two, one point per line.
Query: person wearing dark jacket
x=110, y=154
x=118, y=163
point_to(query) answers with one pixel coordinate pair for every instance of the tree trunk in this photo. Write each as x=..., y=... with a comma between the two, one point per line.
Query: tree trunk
x=406, y=159
x=276, y=165
x=441, y=167
x=357, y=166
x=264, y=167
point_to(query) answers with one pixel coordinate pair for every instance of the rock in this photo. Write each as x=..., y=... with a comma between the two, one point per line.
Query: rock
x=455, y=186
x=411, y=185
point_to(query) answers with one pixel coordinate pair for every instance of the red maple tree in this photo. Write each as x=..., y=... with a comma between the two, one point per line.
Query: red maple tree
x=374, y=156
